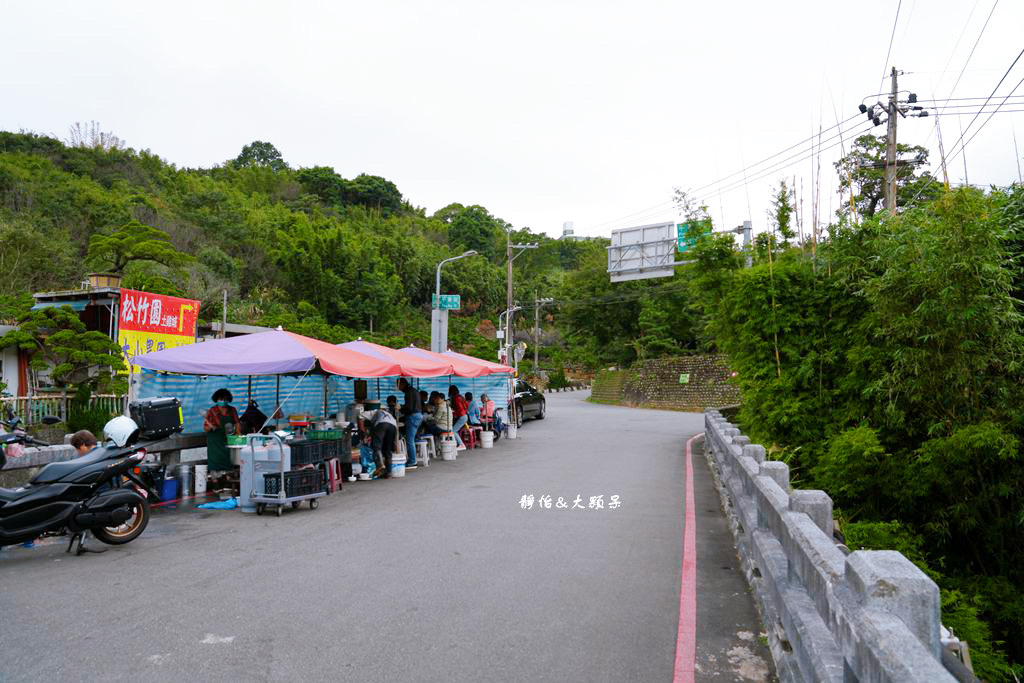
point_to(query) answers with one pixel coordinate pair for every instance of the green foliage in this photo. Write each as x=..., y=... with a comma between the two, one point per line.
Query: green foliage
x=82, y=416
x=782, y=212
x=865, y=167
x=260, y=154
x=557, y=379
x=58, y=341
x=131, y=243
x=857, y=472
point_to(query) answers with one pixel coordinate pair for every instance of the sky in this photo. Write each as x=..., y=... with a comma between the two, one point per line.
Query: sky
x=542, y=112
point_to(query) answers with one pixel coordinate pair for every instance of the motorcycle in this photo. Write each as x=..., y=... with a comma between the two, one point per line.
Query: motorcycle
x=86, y=494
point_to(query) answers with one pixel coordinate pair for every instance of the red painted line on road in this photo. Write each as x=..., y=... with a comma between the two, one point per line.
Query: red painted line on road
x=686, y=634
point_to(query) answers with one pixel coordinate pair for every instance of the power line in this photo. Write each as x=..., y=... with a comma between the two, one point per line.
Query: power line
x=662, y=205
x=985, y=103
x=885, y=66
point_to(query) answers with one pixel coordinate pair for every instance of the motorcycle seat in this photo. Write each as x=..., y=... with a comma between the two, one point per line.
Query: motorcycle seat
x=55, y=471
x=11, y=495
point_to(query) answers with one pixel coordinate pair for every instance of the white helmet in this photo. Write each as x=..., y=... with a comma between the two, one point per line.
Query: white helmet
x=122, y=430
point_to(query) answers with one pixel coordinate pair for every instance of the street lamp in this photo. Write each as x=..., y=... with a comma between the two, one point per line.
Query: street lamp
x=439, y=336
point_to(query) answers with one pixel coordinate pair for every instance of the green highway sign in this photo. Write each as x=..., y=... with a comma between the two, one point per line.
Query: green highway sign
x=685, y=242
x=449, y=302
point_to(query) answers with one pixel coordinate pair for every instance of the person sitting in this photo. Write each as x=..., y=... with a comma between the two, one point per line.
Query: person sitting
x=441, y=418
x=489, y=417
x=83, y=441
x=474, y=409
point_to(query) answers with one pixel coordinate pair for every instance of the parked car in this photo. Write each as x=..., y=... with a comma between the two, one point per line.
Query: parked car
x=529, y=403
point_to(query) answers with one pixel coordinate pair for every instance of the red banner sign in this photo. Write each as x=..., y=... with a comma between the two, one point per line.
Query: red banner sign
x=158, y=313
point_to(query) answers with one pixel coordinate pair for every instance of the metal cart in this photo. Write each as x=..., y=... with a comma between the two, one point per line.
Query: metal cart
x=281, y=498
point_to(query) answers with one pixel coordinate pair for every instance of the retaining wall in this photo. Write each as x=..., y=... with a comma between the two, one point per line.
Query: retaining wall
x=656, y=384
x=871, y=615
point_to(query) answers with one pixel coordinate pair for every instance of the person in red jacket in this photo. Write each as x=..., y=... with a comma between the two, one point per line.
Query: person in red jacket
x=460, y=411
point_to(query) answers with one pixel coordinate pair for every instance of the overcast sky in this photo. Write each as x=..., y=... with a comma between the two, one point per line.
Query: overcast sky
x=543, y=112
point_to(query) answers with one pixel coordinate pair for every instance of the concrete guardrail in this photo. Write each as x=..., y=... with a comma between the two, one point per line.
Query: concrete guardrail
x=865, y=616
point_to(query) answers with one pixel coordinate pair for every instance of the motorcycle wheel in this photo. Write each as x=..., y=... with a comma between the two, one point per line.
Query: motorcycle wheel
x=129, y=531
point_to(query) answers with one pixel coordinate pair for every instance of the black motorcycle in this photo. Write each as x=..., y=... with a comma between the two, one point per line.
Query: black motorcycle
x=97, y=492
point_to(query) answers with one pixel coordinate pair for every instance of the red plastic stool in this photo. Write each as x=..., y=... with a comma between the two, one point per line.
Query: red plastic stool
x=335, y=478
x=468, y=437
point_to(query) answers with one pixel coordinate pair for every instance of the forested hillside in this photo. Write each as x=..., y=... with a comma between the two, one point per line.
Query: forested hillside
x=881, y=359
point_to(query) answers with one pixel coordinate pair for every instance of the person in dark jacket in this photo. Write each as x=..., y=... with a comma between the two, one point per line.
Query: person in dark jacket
x=412, y=413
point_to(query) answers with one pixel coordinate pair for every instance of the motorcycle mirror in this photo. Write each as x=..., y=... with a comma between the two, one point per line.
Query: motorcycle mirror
x=50, y=420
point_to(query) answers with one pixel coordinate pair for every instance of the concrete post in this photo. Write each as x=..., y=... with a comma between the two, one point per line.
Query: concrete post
x=778, y=471
x=887, y=581
x=755, y=451
x=817, y=505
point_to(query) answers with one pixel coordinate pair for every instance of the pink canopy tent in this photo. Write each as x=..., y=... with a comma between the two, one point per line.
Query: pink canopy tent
x=495, y=368
x=266, y=353
x=462, y=365
x=411, y=365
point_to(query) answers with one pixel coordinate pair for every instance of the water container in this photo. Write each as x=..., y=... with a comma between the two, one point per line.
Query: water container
x=510, y=431
x=487, y=439
x=169, y=489
x=398, y=469
x=185, y=477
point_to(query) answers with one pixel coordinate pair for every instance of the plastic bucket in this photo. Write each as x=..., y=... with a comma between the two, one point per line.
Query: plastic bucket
x=510, y=431
x=398, y=469
x=448, y=449
x=200, y=479
x=486, y=439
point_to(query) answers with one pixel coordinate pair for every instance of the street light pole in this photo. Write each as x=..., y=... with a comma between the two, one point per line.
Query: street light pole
x=438, y=332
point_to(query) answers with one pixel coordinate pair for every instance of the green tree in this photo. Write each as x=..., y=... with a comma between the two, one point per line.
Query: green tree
x=133, y=242
x=864, y=167
x=260, y=153
x=374, y=192
x=782, y=212
x=57, y=339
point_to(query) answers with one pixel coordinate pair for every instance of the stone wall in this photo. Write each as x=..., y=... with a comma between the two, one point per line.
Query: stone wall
x=656, y=384
x=870, y=615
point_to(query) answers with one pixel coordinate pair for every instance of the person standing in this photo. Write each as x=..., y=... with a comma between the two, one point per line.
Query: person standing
x=221, y=421
x=412, y=411
x=460, y=410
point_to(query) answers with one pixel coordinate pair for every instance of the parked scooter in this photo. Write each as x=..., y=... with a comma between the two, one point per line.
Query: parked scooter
x=80, y=495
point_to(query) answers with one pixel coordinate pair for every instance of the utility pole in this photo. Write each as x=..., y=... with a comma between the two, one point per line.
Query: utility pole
x=536, y=332
x=890, y=150
x=511, y=311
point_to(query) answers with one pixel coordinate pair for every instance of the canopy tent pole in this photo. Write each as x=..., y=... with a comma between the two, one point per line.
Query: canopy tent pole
x=250, y=390
x=378, y=389
x=277, y=404
x=286, y=397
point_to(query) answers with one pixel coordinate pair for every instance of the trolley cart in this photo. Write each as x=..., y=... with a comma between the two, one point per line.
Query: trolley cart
x=283, y=487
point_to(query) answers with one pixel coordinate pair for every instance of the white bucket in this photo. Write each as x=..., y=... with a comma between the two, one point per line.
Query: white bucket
x=398, y=469
x=357, y=468
x=200, y=479
x=486, y=439
x=448, y=447
x=510, y=431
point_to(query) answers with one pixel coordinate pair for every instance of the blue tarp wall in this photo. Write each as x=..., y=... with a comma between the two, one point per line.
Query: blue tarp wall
x=303, y=394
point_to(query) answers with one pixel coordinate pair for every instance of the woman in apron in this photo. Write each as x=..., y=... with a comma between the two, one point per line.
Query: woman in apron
x=221, y=420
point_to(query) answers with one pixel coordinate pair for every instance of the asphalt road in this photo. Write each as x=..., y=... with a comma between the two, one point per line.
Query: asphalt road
x=440, y=576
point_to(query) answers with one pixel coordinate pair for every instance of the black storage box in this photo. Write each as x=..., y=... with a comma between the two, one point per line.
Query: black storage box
x=157, y=417
x=296, y=483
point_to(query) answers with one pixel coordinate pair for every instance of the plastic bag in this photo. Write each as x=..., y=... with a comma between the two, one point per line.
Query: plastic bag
x=229, y=504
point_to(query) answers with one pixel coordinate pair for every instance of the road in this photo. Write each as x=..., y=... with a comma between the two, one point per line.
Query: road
x=445, y=575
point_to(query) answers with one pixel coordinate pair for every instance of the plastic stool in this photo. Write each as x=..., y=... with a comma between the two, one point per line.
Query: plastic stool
x=425, y=449
x=474, y=435
x=334, y=474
